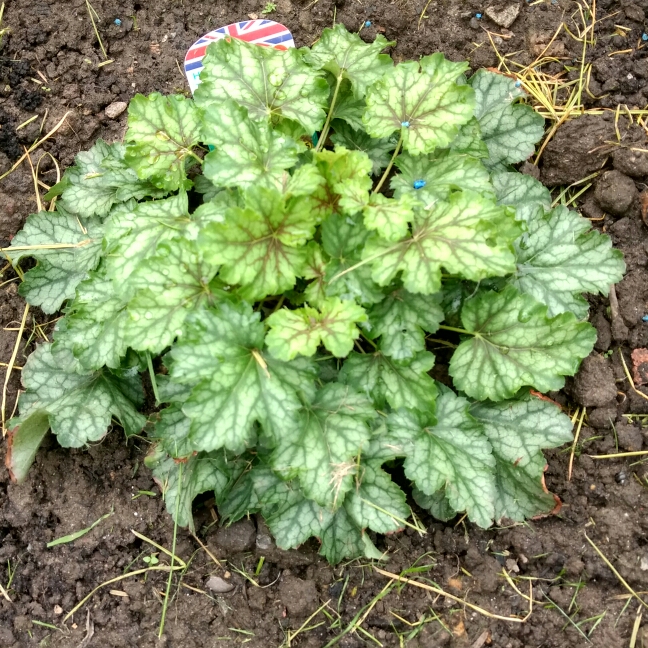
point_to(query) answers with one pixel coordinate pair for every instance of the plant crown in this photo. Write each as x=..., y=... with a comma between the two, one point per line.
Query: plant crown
x=289, y=291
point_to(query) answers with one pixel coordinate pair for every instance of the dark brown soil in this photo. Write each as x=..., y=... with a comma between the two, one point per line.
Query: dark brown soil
x=48, y=65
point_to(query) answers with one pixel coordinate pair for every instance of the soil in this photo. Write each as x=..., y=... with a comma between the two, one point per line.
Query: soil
x=48, y=66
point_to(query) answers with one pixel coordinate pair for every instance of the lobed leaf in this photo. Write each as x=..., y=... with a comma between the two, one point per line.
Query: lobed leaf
x=510, y=130
x=66, y=250
x=560, y=257
x=300, y=332
x=422, y=101
x=80, y=404
x=516, y=344
x=271, y=84
x=162, y=132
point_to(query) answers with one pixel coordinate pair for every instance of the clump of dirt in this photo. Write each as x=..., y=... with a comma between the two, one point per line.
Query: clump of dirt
x=49, y=66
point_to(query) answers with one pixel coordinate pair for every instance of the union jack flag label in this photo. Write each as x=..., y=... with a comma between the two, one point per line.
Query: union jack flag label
x=260, y=32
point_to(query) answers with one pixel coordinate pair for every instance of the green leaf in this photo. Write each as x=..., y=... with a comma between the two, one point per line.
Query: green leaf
x=347, y=107
x=134, y=232
x=66, y=250
x=247, y=152
x=300, y=331
x=80, y=405
x=437, y=504
x=469, y=141
x=529, y=197
x=171, y=431
x=99, y=179
x=441, y=173
x=23, y=443
x=94, y=326
x=453, y=454
x=343, y=239
x=234, y=383
x=427, y=107
x=515, y=344
x=185, y=480
x=509, y=129
x=397, y=383
x=261, y=247
x=167, y=287
x=162, y=132
x=270, y=83
x=347, y=56
x=321, y=451
x=468, y=236
x=560, y=257
x=390, y=217
x=518, y=431
x=343, y=538
x=377, y=503
x=378, y=150
x=401, y=320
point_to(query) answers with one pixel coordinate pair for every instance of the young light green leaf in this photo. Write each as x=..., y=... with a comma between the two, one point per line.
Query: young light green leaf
x=165, y=289
x=390, y=217
x=401, y=320
x=515, y=344
x=247, y=152
x=94, y=324
x=347, y=181
x=321, y=451
x=427, y=107
x=434, y=177
x=162, y=132
x=300, y=331
x=453, y=454
x=66, y=250
x=80, y=405
x=347, y=56
x=518, y=431
x=270, y=83
x=560, y=257
x=235, y=384
x=509, y=129
x=99, y=179
x=378, y=150
x=468, y=236
x=262, y=246
x=397, y=383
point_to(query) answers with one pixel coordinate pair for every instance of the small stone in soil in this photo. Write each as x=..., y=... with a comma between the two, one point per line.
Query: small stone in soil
x=594, y=384
x=237, y=538
x=630, y=437
x=218, y=585
x=504, y=16
x=615, y=192
x=115, y=109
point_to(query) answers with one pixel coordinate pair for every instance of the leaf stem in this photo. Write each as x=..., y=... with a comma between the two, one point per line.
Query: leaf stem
x=327, y=124
x=165, y=605
x=152, y=376
x=456, y=330
x=190, y=153
x=390, y=165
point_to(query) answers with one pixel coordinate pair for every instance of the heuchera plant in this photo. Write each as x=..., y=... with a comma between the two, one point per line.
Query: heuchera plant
x=288, y=287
